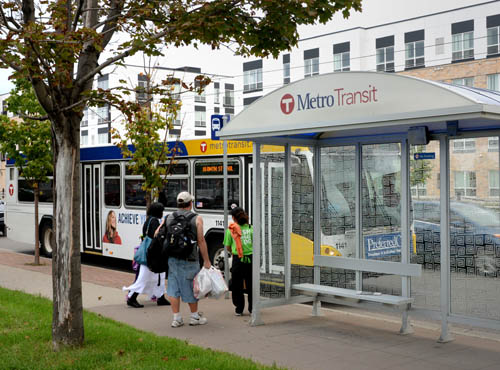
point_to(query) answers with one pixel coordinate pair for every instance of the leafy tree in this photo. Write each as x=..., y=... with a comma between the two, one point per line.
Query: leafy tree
x=60, y=46
x=420, y=170
x=147, y=126
x=28, y=143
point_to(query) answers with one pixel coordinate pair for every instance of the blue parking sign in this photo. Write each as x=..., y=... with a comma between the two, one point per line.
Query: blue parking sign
x=216, y=123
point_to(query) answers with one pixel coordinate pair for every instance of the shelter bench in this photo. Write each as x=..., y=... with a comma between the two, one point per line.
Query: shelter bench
x=352, y=297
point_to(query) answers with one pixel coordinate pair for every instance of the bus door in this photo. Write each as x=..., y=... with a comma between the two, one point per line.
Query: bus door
x=91, y=186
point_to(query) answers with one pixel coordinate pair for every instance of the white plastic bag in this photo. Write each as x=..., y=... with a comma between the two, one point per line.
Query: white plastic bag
x=219, y=286
x=202, y=284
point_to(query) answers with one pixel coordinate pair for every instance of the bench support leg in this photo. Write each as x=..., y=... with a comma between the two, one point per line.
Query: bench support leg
x=405, y=325
x=316, y=310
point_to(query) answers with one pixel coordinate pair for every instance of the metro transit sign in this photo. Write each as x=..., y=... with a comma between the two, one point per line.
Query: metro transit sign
x=339, y=97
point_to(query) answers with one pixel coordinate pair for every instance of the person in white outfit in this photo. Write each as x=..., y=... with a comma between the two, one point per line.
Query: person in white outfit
x=148, y=282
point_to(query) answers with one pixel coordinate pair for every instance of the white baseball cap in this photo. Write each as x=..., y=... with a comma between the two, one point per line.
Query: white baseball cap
x=184, y=197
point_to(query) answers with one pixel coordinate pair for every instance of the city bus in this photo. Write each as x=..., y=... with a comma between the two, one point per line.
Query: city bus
x=111, y=193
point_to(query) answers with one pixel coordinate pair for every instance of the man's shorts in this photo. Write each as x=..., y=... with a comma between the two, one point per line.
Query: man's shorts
x=180, y=279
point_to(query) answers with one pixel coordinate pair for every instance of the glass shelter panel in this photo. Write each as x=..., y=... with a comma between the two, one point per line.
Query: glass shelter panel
x=272, y=223
x=475, y=230
x=425, y=224
x=381, y=210
x=338, y=212
x=302, y=215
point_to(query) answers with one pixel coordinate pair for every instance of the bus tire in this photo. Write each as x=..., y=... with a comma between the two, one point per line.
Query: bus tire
x=217, y=258
x=47, y=239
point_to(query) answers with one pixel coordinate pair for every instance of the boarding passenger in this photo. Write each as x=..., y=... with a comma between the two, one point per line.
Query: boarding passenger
x=238, y=240
x=148, y=282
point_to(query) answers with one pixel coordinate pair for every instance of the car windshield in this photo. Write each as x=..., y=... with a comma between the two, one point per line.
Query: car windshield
x=477, y=215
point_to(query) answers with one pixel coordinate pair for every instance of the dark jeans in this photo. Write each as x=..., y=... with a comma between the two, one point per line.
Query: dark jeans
x=241, y=272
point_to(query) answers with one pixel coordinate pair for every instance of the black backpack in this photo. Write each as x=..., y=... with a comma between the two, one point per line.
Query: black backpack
x=180, y=238
x=156, y=256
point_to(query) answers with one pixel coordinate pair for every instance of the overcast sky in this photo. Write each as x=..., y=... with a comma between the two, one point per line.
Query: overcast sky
x=224, y=63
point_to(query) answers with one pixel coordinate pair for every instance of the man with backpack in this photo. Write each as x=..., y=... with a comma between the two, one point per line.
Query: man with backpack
x=184, y=235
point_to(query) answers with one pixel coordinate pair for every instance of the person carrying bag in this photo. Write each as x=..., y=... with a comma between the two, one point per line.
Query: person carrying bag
x=238, y=239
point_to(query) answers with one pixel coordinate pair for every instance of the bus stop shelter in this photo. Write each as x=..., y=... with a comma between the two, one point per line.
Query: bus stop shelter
x=379, y=118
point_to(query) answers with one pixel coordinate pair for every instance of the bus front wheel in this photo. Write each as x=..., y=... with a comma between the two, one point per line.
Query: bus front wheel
x=217, y=259
x=47, y=239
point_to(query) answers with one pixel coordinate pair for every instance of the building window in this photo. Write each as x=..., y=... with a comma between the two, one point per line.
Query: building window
x=494, y=183
x=176, y=92
x=252, y=76
x=464, y=145
x=465, y=81
x=216, y=93
x=493, y=144
x=84, y=139
x=462, y=41
x=493, y=31
x=199, y=97
x=342, y=57
x=142, y=87
x=248, y=101
x=200, y=117
x=311, y=62
x=103, y=82
x=414, y=49
x=286, y=69
x=102, y=135
x=465, y=183
x=385, y=54
x=229, y=95
x=492, y=82
x=103, y=115
x=85, y=118
x=419, y=190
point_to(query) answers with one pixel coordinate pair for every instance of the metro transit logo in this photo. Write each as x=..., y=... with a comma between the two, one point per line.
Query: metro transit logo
x=287, y=103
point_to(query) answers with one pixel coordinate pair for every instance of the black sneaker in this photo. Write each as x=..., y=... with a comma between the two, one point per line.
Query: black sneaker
x=162, y=301
x=134, y=303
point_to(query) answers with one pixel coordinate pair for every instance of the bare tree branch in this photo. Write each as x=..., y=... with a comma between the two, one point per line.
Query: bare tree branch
x=77, y=14
x=6, y=22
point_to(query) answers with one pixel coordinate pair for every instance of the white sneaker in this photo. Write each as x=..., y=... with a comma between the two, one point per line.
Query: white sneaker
x=198, y=321
x=178, y=323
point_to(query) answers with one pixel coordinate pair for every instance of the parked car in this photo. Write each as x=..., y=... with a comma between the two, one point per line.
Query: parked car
x=3, y=229
x=474, y=237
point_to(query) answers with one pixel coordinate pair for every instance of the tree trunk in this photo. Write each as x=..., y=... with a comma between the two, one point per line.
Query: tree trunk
x=36, y=189
x=67, y=319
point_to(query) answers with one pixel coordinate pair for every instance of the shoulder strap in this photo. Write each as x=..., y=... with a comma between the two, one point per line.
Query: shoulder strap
x=191, y=216
x=149, y=223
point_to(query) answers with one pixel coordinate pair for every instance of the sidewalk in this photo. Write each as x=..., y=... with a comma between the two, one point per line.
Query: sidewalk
x=340, y=339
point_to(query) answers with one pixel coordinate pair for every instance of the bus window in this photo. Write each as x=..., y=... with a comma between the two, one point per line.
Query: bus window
x=134, y=195
x=26, y=194
x=168, y=195
x=112, y=188
x=208, y=184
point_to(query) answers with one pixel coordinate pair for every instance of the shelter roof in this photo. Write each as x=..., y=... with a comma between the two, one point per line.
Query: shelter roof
x=354, y=104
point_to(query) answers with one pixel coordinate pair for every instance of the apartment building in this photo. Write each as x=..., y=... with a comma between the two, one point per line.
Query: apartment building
x=191, y=122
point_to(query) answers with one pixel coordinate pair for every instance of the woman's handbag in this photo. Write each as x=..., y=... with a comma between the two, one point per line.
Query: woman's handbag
x=140, y=255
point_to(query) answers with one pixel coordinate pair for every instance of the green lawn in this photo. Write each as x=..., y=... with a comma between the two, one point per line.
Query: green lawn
x=25, y=343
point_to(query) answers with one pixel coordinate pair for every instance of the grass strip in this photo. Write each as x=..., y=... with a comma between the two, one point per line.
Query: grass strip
x=26, y=343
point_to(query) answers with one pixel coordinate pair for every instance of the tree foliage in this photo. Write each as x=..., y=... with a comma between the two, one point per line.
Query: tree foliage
x=60, y=46
x=28, y=142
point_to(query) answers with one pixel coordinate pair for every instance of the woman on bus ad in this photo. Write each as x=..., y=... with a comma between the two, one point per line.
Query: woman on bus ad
x=111, y=234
